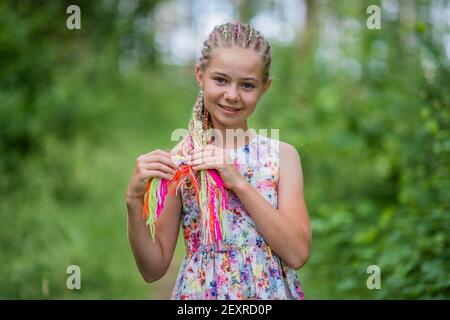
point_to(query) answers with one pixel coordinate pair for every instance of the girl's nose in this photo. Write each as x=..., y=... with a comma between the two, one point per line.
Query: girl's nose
x=232, y=94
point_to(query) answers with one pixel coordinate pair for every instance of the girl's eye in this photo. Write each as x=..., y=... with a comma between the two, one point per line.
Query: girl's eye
x=248, y=85
x=220, y=80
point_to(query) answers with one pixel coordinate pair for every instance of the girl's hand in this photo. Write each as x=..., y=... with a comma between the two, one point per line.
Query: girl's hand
x=212, y=157
x=156, y=163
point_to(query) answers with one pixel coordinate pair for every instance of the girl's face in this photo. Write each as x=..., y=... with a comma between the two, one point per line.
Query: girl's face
x=232, y=85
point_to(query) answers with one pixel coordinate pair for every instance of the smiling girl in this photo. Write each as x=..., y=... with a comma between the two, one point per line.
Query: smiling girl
x=258, y=232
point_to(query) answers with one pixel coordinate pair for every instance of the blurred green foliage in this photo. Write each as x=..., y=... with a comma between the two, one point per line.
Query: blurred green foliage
x=371, y=123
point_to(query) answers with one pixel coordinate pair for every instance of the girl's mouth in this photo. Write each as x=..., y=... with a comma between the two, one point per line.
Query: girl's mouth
x=229, y=110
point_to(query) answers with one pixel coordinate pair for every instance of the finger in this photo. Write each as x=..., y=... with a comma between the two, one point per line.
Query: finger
x=201, y=154
x=155, y=153
x=160, y=167
x=209, y=147
x=159, y=152
x=159, y=174
x=215, y=160
x=200, y=150
x=205, y=166
x=203, y=149
x=167, y=160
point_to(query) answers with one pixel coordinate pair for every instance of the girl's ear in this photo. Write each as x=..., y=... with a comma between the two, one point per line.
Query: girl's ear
x=266, y=86
x=199, y=75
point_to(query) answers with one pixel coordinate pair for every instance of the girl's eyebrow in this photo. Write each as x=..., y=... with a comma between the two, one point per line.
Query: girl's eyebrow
x=225, y=75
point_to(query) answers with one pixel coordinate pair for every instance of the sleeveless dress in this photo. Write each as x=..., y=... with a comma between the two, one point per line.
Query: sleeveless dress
x=242, y=265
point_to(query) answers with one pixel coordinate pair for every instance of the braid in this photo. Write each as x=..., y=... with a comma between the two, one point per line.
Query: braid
x=238, y=30
x=249, y=34
x=224, y=33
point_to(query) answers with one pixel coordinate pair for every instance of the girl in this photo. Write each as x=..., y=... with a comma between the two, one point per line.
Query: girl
x=264, y=231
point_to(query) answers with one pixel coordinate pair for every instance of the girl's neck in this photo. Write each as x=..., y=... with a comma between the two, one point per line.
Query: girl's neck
x=231, y=134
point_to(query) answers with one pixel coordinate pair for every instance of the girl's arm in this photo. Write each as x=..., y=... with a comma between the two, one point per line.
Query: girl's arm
x=153, y=258
x=286, y=229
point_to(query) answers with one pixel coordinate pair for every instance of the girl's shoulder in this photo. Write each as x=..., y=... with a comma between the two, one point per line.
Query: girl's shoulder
x=287, y=149
x=290, y=160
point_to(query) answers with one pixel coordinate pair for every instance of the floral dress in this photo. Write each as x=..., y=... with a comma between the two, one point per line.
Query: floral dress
x=242, y=265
